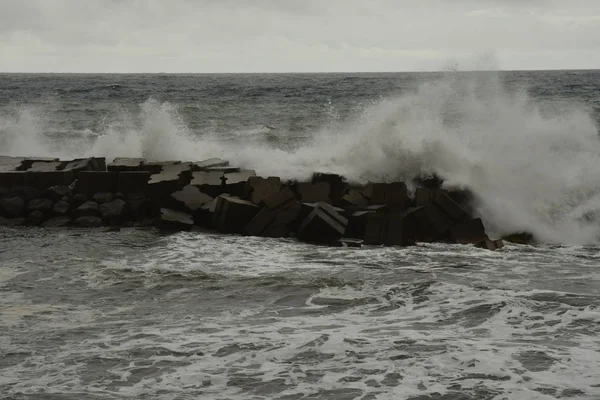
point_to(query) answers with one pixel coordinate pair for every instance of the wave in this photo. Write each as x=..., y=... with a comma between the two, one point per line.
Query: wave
x=531, y=167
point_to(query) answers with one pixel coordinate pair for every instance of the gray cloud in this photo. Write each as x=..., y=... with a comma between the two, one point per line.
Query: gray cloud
x=309, y=35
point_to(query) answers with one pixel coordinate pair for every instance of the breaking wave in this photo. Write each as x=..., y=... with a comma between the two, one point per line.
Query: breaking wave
x=531, y=167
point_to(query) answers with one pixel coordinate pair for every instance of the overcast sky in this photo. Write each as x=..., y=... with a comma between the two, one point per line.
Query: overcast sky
x=296, y=35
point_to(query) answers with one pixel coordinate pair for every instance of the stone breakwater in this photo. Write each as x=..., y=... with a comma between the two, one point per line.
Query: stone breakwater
x=211, y=194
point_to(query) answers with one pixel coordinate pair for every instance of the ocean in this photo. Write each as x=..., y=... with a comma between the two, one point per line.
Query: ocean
x=138, y=314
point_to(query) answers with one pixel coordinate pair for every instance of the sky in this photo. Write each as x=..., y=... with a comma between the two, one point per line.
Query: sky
x=198, y=36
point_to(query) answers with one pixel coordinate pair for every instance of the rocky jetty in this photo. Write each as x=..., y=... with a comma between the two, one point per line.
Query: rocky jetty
x=212, y=194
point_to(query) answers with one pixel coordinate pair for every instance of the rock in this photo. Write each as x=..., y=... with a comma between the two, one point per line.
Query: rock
x=92, y=182
x=490, y=244
x=449, y=207
x=337, y=185
x=88, y=222
x=55, y=193
x=57, y=222
x=425, y=224
x=231, y=214
x=102, y=198
x=79, y=199
x=519, y=238
x=191, y=199
x=27, y=193
x=281, y=209
x=114, y=212
x=43, y=205
x=309, y=192
x=87, y=209
x=61, y=208
x=257, y=188
x=394, y=195
x=235, y=182
x=121, y=164
x=386, y=229
x=470, y=232
x=34, y=218
x=133, y=183
x=323, y=225
x=12, y=207
x=142, y=209
x=172, y=220
x=11, y=222
x=210, y=183
x=210, y=163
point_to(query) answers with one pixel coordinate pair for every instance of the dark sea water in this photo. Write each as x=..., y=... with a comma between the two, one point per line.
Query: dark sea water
x=138, y=314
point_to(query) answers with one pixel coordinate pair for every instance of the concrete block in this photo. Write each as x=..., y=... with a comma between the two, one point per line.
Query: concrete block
x=210, y=183
x=357, y=224
x=210, y=163
x=191, y=199
x=386, y=229
x=354, y=199
x=337, y=185
x=309, y=192
x=10, y=179
x=258, y=188
x=92, y=182
x=426, y=224
x=490, y=244
x=394, y=195
x=470, y=232
x=121, y=164
x=235, y=182
x=275, y=220
x=323, y=225
x=449, y=207
x=232, y=214
x=133, y=183
x=225, y=170
x=172, y=220
x=41, y=166
x=45, y=179
x=424, y=196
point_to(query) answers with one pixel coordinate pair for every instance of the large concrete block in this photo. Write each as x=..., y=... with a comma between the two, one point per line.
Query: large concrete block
x=337, y=185
x=210, y=163
x=231, y=214
x=354, y=199
x=28, y=162
x=225, y=170
x=426, y=224
x=172, y=220
x=10, y=179
x=357, y=224
x=235, y=182
x=191, y=199
x=45, y=179
x=274, y=220
x=424, y=196
x=155, y=167
x=85, y=164
x=472, y=232
x=386, y=229
x=10, y=163
x=449, y=207
x=121, y=164
x=171, y=179
x=394, y=195
x=133, y=183
x=258, y=188
x=43, y=166
x=309, y=192
x=210, y=183
x=323, y=225
x=92, y=182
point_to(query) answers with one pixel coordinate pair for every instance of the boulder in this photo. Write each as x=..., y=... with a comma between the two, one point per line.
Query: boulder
x=27, y=193
x=55, y=193
x=43, y=205
x=258, y=188
x=386, y=229
x=235, y=182
x=210, y=183
x=11, y=222
x=92, y=182
x=190, y=199
x=323, y=225
x=394, y=195
x=171, y=220
x=121, y=164
x=114, y=212
x=87, y=209
x=34, y=218
x=103, y=197
x=87, y=222
x=210, y=163
x=232, y=214
x=57, y=222
x=12, y=207
x=61, y=208
x=133, y=183
x=142, y=209
x=79, y=199
x=309, y=192
x=470, y=232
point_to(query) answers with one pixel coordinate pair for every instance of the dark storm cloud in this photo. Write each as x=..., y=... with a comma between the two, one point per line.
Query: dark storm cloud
x=309, y=35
